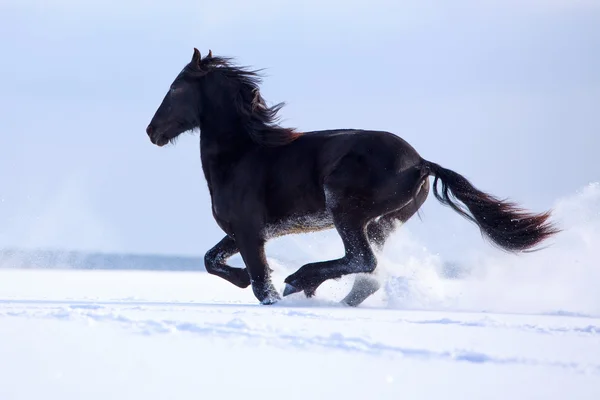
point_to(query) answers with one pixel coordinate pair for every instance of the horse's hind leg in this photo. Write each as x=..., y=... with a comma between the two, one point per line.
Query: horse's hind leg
x=364, y=286
x=355, y=196
x=359, y=257
x=378, y=231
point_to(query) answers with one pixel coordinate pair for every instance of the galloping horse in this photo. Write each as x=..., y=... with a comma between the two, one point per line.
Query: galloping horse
x=266, y=181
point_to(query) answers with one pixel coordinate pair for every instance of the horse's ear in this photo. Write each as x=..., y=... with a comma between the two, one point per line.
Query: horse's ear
x=196, y=57
x=209, y=54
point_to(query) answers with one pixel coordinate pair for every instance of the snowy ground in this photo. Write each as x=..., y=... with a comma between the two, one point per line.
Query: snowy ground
x=508, y=328
x=149, y=335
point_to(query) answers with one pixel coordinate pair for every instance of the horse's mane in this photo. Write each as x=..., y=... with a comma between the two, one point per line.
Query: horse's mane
x=261, y=121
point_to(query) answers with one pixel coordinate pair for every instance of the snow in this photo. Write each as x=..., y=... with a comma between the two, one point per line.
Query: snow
x=123, y=335
x=525, y=327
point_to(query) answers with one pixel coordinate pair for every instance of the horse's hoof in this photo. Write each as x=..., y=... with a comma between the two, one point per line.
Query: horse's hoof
x=269, y=300
x=265, y=292
x=364, y=286
x=289, y=289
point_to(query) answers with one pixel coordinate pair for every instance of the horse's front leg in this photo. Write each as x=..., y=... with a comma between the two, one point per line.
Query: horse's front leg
x=252, y=250
x=215, y=263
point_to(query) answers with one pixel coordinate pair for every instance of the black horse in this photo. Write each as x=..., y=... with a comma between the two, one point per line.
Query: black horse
x=266, y=181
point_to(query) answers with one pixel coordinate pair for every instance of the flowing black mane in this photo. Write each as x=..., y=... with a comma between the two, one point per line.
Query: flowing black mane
x=261, y=121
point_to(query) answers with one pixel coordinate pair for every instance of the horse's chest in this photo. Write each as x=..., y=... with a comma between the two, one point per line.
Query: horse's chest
x=231, y=208
x=222, y=213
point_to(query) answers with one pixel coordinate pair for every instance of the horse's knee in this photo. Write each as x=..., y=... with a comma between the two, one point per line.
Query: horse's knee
x=210, y=261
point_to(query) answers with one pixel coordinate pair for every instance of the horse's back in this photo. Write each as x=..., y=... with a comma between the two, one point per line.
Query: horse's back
x=372, y=148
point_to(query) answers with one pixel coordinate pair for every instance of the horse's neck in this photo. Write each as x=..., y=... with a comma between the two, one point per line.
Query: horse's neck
x=221, y=150
x=223, y=139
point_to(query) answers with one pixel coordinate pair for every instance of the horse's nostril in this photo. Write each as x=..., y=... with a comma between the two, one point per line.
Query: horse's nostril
x=149, y=130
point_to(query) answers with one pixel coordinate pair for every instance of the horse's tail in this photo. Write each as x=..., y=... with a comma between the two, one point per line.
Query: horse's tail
x=508, y=226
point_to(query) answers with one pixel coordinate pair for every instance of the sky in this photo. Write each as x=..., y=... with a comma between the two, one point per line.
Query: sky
x=503, y=92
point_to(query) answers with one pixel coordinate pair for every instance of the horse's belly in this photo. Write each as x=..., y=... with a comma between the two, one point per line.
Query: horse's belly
x=301, y=224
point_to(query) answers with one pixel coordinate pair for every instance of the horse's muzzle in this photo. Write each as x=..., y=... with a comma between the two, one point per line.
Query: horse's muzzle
x=156, y=138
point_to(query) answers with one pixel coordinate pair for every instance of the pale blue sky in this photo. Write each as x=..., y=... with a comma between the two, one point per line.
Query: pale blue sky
x=505, y=92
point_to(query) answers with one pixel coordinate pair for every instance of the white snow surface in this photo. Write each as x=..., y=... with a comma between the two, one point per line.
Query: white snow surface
x=509, y=327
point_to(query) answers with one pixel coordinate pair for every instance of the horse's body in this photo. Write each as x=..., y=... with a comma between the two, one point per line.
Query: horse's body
x=293, y=176
x=266, y=181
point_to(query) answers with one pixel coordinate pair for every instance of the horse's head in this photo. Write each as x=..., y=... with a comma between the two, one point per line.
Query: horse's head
x=180, y=109
x=225, y=98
